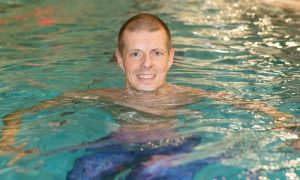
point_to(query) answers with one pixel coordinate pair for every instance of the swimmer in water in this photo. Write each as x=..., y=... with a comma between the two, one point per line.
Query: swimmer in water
x=145, y=55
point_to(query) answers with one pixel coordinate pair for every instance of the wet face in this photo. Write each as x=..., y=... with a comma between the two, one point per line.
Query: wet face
x=145, y=59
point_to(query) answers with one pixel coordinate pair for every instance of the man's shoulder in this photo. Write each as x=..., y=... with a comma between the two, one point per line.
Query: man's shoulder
x=102, y=91
x=186, y=89
x=93, y=94
x=200, y=92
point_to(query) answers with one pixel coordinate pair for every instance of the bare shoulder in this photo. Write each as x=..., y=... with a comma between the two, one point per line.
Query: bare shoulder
x=199, y=92
x=93, y=94
x=103, y=91
x=187, y=90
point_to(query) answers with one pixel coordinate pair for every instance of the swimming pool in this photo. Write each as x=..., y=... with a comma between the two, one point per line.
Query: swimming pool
x=244, y=47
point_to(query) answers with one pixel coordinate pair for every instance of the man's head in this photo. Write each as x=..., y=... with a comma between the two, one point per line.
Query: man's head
x=144, y=52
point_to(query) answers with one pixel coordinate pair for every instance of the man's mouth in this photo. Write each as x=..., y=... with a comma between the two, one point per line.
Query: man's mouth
x=146, y=76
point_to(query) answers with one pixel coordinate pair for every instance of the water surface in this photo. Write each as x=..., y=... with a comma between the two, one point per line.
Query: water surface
x=242, y=47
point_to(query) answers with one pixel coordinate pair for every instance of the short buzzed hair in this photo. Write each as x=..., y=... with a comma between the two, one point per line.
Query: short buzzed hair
x=146, y=22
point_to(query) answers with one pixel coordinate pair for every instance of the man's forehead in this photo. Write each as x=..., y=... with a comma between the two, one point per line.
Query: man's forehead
x=144, y=36
x=142, y=31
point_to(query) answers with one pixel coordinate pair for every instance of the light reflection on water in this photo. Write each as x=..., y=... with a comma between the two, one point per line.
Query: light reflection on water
x=243, y=47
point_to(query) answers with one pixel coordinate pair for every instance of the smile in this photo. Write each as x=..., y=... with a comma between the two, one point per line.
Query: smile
x=146, y=76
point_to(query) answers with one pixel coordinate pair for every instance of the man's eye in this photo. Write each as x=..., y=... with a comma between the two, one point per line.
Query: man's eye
x=135, y=54
x=157, y=53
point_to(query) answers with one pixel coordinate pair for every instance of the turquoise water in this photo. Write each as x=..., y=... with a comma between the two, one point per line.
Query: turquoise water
x=241, y=47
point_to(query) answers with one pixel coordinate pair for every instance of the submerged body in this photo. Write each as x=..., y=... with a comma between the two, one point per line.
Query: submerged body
x=144, y=161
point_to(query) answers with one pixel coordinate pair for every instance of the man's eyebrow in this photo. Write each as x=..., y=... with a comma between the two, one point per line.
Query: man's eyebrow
x=134, y=50
x=159, y=49
x=155, y=49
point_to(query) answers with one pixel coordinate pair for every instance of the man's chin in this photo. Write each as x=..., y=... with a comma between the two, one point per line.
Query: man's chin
x=147, y=88
x=142, y=87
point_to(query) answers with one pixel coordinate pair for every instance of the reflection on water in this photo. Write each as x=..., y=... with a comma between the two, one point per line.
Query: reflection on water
x=244, y=47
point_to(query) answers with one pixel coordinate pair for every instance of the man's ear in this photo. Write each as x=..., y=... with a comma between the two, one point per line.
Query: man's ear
x=171, y=57
x=119, y=59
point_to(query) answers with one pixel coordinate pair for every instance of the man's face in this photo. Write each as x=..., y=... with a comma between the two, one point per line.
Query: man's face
x=145, y=59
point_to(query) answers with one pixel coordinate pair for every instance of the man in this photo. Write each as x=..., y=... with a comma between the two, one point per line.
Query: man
x=145, y=54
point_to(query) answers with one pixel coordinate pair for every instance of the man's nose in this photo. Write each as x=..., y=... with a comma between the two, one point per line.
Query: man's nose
x=147, y=63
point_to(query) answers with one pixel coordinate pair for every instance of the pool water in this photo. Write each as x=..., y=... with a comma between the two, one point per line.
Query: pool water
x=243, y=47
